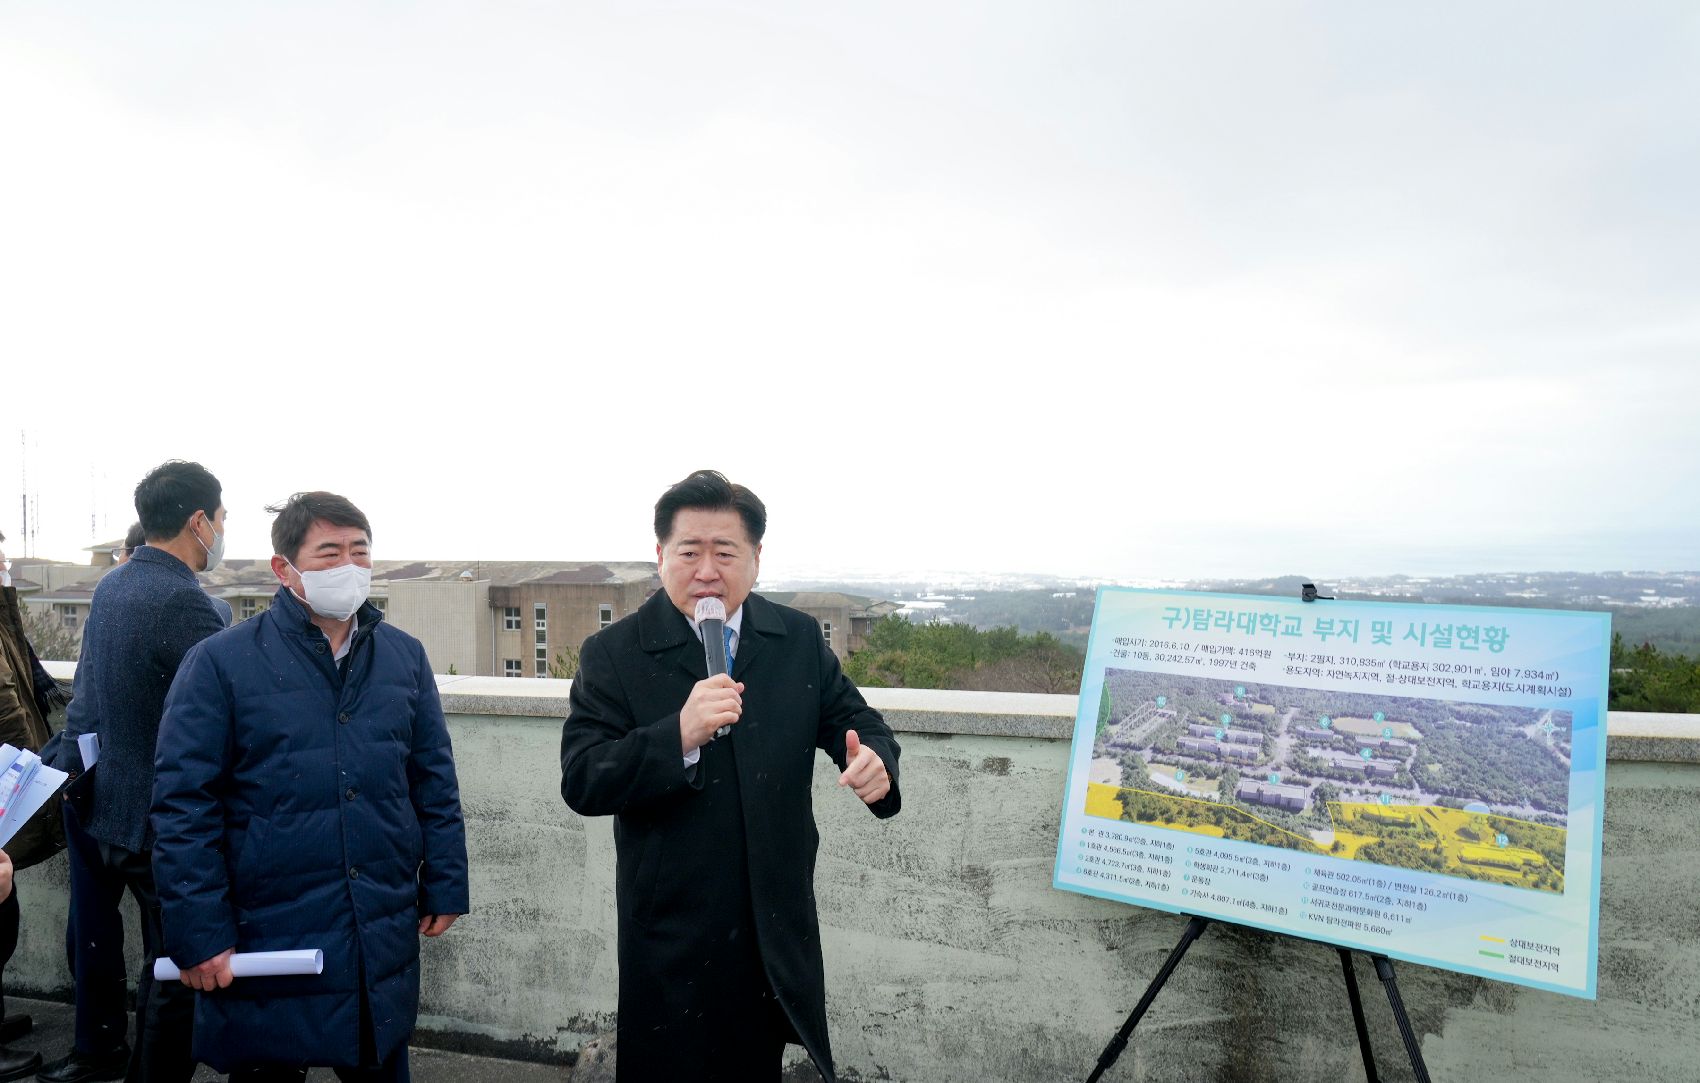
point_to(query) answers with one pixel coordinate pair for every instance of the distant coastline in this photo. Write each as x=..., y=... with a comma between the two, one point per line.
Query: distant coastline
x=1661, y=608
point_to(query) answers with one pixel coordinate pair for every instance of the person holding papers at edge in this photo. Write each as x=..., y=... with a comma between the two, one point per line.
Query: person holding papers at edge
x=24, y=706
x=306, y=798
x=144, y=617
x=715, y=839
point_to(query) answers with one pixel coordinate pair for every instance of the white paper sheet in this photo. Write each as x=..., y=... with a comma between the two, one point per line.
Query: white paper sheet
x=89, y=746
x=256, y=964
x=43, y=783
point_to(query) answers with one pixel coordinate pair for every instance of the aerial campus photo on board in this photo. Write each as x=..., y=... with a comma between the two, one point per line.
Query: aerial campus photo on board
x=1471, y=790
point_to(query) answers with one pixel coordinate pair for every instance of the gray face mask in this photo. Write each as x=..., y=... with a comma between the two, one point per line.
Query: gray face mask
x=215, y=555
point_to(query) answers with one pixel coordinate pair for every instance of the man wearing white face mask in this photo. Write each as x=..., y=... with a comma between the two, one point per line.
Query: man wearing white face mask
x=306, y=798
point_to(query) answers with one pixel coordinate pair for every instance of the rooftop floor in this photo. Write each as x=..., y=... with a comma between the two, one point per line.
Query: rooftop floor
x=51, y=1037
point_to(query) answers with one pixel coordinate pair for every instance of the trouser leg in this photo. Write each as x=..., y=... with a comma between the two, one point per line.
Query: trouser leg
x=756, y=1051
x=94, y=939
x=9, y=920
x=165, y=1011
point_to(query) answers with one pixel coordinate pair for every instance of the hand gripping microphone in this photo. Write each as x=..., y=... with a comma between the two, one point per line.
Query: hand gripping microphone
x=711, y=622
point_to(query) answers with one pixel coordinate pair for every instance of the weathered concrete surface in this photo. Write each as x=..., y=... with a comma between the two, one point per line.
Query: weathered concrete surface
x=1671, y=738
x=1646, y=1024
x=950, y=957
x=535, y=960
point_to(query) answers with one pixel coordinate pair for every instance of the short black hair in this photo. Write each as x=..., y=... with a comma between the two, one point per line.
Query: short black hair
x=297, y=515
x=134, y=537
x=709, y=490
x=172, y=493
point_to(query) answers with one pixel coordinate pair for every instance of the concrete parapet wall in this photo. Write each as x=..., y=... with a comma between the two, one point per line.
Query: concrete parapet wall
x=950, y=957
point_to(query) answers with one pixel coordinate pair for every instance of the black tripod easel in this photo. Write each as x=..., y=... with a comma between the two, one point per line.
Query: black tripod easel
x=1383, y=969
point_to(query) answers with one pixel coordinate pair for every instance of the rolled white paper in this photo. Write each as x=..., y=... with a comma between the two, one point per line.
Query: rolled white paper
x=255, y=964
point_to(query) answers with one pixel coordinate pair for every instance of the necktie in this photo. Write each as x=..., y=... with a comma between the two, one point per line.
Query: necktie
x=726, y=632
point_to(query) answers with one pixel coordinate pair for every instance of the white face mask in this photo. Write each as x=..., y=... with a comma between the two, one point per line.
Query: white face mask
x=215, y=555
x=336, y=593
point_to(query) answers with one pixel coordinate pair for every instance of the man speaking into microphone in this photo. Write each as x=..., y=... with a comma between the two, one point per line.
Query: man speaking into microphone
x=709, y=778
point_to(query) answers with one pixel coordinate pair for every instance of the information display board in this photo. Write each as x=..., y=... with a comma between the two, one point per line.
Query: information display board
x=1425, y=782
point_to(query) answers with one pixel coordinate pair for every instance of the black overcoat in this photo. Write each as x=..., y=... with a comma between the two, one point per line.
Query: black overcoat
x=712, y=859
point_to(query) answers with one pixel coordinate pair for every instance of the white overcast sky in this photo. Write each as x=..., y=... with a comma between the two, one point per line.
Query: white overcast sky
x=1118, y=289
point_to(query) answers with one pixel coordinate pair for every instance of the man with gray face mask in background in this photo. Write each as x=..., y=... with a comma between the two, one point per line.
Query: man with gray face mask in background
x=305, y=798
x=144, y=618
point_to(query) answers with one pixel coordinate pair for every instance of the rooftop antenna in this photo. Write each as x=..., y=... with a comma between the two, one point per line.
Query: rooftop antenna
x=29, y=530
x=24, y=488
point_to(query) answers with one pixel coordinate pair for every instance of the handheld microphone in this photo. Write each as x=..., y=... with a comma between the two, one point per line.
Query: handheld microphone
x=711, y=622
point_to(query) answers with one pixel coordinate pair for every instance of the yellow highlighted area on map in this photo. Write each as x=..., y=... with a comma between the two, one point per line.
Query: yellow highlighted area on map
x=1104, y=801
x=1427, y=838
x=1211, y=818
x=1434, y=838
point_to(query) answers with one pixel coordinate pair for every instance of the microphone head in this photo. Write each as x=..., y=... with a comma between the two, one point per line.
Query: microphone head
x=710, y=609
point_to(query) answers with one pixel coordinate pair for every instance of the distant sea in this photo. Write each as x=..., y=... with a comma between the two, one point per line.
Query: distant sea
x=1325, y=557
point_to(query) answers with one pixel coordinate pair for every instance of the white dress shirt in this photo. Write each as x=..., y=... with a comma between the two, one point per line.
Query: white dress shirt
x=347, y=642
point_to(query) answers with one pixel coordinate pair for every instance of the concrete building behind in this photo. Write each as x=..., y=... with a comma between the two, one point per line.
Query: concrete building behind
x=502, y=618
x=845, y=619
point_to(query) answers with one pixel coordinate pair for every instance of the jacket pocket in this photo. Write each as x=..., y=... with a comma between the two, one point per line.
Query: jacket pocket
x=249, y=869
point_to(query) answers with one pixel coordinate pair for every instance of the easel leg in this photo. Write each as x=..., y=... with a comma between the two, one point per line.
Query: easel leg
x=1384, y=970
x=1358, y=1016
x=1194, y=929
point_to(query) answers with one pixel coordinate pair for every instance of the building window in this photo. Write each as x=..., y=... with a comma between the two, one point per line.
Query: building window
x=540, y=622
x=246, y=607
x=510, y=618
x=511, y=668
x=826, y=630
x=67, y=616
x=383, y=604
x=604, y=615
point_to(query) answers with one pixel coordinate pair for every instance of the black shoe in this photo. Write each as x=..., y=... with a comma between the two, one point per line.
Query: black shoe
x=14, y=1027
x=17, y=1063
x=77, y=1067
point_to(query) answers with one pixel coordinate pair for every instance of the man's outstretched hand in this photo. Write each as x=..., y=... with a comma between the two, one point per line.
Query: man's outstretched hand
x=866, y=773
